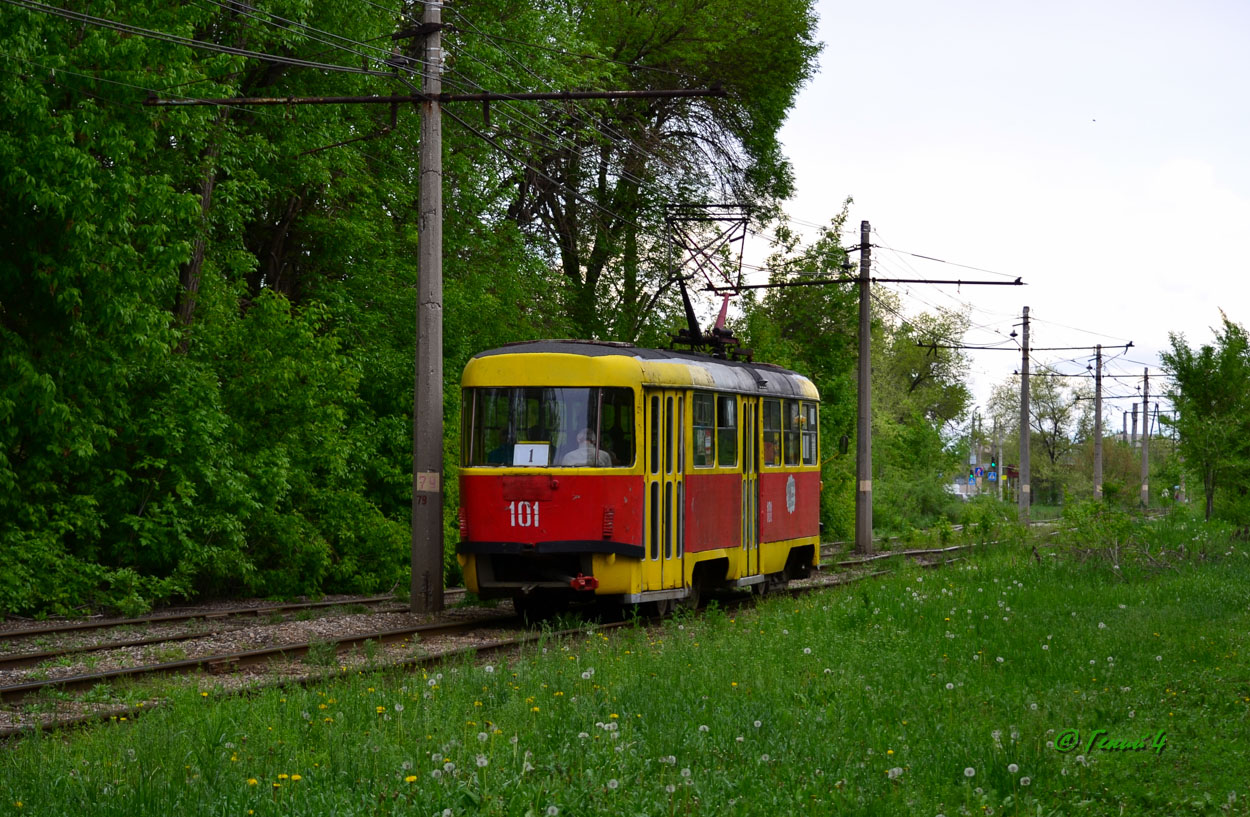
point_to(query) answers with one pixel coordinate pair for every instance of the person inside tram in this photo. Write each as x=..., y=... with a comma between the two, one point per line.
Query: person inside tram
x=586, y=453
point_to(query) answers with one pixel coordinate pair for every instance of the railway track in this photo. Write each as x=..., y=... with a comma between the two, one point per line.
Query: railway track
x=287, y=663
x=452, y=595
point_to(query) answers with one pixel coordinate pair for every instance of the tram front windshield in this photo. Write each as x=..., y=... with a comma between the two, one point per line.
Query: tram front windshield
x=548, y=427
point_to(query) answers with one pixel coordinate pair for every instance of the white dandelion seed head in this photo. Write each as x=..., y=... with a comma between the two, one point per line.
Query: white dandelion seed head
x=949, y=685
x=482, y=761
x=807, y=650
x=1024, y=781
x=758, y=724
x=582, y=735
x=488, y=669
x=1102, y=626
x=670, y=788
x=1013, y=768
x=739, y=738
x=999, y=659
x=1045, y=646
x=513, y=740
x=436, y=774
x=552, y=811
x=482, y=737
x=399, y=707
x=703, y=727
x=1158, y=657
x=449, y=766
x=685, y=772
x=613, y=783
x=764, y=758
x=970, y=772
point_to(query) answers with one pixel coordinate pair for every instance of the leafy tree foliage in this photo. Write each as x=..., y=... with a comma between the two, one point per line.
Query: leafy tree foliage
x=1209, y=390
x=206, y=314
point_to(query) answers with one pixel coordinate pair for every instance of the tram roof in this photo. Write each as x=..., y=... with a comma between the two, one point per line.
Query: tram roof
x=672, y=367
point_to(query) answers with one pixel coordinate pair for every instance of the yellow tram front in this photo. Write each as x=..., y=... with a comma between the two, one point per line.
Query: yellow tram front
x=633, y=475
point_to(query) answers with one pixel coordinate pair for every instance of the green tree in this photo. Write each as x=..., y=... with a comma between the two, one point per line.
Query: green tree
x=1209, y=388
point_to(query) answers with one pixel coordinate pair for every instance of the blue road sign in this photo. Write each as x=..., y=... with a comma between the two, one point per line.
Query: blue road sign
x=993, y=476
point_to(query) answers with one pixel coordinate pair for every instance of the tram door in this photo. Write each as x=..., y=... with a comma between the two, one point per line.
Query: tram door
x=665, y=503
x=750, y=490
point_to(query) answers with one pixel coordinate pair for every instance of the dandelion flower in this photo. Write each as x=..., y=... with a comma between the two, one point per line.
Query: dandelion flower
x=251, y=781
x=685, y=772
x=758, y=724
x=412, y=778
x=482, y=737
x=703, y=727
x=764, y=758
x=970, y=772
x=613, y=783
x=807, y=650
x=1024, y=781
x=552, y=811
x=482, y=761
x=949, y=685
x=1013, y=768
x=670, y=788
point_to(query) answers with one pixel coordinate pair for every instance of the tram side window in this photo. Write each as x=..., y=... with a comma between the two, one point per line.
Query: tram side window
x=617, y=425
x=726, y=430
x=810, y=428
x=704, y=422
x=792, y=432
x=772, y=432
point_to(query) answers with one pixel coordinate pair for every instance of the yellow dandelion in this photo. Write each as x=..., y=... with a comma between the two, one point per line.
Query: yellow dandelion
x=614, y=715
x=381, y=709
x=412, y=778
x=277, y=785
x=203, y=694
x=283, y=776
x=251, y=781
x=534, y=709
x=295, y=777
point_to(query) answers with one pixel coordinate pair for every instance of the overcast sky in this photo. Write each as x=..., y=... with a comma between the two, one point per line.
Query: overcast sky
x=1096, y=149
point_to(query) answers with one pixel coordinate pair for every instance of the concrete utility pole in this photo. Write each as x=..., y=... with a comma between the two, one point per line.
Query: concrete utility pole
x=863, y=433
x=1133, y=439
x=1098, y=422
x=1025, y=425
x=1145, y=439
x=426, y=590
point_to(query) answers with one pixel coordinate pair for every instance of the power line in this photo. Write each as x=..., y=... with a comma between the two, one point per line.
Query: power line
x=125, y=28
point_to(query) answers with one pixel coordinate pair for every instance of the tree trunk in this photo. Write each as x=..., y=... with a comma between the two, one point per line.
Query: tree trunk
x=190, y=276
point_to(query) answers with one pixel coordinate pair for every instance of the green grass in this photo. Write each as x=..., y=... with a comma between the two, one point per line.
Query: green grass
x=874, y=699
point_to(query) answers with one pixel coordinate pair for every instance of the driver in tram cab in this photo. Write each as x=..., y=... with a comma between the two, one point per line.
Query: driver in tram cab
x=586, y=453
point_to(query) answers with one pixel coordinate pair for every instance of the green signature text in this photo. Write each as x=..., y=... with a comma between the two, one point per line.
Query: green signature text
x=1100, y=739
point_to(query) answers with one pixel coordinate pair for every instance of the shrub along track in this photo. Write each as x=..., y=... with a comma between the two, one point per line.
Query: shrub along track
x=47, y=696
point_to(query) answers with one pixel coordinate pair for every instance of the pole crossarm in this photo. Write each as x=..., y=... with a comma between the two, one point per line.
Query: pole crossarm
x=783, y=284
x=375, y=99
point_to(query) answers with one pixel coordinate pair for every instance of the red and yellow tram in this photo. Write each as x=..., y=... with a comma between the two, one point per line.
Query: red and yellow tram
x=593, y=470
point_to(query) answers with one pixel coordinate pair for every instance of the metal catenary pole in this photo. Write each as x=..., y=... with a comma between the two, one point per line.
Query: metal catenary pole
x=1098, y=422
x=426, y=594
x=1145, y=439
x=1025, y=425
x=863, y=434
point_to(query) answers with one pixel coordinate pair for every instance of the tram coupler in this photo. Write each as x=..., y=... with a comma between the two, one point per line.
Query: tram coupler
x=582, y=583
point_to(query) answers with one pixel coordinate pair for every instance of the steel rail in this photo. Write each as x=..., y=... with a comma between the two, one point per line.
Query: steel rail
x=225, y=662
x=207, y=615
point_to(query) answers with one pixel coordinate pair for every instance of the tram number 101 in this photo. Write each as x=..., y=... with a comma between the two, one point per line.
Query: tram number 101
x=523, y=514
